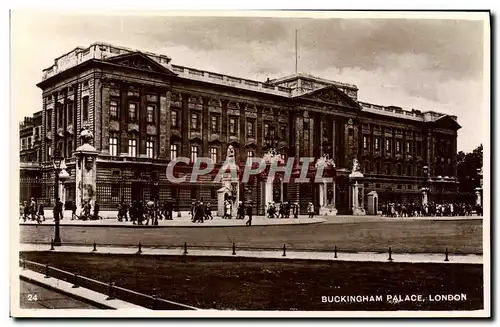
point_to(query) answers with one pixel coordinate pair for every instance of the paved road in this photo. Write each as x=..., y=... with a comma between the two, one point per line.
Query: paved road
x=36, y=297
x=403, y=235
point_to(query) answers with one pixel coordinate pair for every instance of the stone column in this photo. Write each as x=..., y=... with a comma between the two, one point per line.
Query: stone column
x=104, y=123
x=164, y=124
x=141, y=114
x=123, y=119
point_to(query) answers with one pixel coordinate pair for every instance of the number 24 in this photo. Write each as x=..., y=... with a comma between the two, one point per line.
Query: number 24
x=32, y=297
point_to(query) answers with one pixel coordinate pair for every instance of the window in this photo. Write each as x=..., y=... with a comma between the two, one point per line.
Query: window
x=49, y=151
x=70, y=148
x=150, y=148
x=29, y=142
x=398, y=146
x=150, y=114
x=377, y=144
x=23, y=144
x=113, y=109
x=60, y=116
x=195, y=122
x=85, y=108
x=115, y=190
x=49, y=119
x=214, y=123
x=250, y=128
x=173, y=151
x=365, y=142
x=283, y=132
x=388, y=145
x=213, y=154
x=408, y=147
x=173, y=119
x=377, y=185
x=132, y=111
x=266, y=130
x=132, y=146
x=233, y=129
x=194, y=153
x=70, y=113
x=113, y=146
x=250, y=154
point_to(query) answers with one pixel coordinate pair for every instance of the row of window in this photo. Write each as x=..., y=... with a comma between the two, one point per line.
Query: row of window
x=174, y=149
x=195, y=120
x=69, y=113
x=388, y=145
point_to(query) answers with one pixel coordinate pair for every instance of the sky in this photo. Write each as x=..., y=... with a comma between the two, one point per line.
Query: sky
x=426, y=64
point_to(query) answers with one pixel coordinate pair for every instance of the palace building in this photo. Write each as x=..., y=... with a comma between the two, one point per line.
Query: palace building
x=144, y=110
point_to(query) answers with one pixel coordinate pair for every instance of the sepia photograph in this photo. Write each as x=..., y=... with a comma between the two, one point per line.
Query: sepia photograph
x=250, y=164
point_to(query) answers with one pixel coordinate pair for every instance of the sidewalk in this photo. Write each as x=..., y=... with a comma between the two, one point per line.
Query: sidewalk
x=267, y=254
x=67, y=291
x=182, y=222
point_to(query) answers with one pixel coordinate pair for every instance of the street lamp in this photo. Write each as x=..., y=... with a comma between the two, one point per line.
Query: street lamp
x=57, y=159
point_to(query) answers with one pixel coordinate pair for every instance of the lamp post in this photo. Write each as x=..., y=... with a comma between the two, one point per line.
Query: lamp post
x=57, y=158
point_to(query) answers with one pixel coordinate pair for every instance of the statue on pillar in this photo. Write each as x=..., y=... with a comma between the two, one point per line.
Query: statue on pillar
x=325, y=207
x=86, y=171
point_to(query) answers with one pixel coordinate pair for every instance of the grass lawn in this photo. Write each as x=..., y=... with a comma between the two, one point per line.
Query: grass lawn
x=252, y=284
x=459, y=236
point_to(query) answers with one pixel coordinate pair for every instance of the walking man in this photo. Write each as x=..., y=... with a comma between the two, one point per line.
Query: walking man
x=310, y=210
x=249, y=213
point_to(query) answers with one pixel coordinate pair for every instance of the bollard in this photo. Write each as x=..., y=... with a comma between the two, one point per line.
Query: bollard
x=185, y=248
x=234, y=249
x=335, y=252
x=52, y=244
x=47, y=271
x=153, y=295
x=446, y=255
x=95, y=247
x=75, y=278
x=139, y=251
x=111, y=290
x=284, y=250
x=390, y=254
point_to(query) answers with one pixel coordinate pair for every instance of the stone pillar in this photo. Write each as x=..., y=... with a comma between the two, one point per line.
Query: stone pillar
x=86, y=172
x=425, y=196
x=104, y=123
x=164, y=124
x=123, y=119
x=479, y=192
x=268, y=191
x=357, y=195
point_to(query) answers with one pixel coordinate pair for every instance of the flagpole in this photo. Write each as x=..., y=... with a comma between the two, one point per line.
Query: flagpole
x=296, y=56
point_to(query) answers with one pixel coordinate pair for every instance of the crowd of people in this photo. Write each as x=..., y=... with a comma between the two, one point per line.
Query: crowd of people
x=142, y=213
x=432, y=209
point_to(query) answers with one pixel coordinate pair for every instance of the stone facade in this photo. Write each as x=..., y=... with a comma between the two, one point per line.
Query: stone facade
x=130, y=99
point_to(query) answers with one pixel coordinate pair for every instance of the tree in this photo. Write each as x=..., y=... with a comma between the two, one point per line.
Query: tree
x=467, y=169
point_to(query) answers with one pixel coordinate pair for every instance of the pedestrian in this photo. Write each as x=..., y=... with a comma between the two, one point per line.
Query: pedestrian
x=249, y=213
x=26, y=210
x=296, y=210
x=33, y=209
x=73, y=212
x=227, y=212
x=96, y=211
x=310, y=209
x=208, y=211
x=169, y=210
x=241, y=210
x=41, y=212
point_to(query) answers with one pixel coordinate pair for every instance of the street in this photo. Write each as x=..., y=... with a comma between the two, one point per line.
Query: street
x=412, y=235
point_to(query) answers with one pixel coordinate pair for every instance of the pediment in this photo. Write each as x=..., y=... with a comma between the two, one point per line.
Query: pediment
x=139, y=60
x=331, y=95
x=447, y=122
